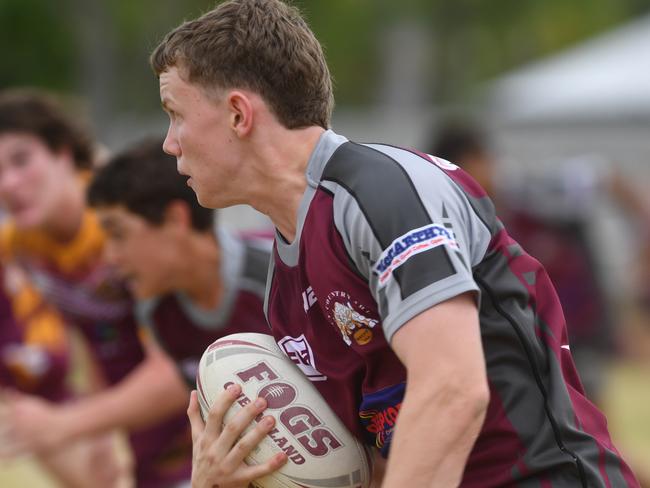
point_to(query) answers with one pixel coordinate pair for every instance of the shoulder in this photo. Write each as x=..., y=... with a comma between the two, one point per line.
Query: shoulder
x=383, y=178
x=369, y=166
x=388, y=189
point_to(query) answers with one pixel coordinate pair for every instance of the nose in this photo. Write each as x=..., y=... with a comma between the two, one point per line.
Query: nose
x=170, y=144
x=9, y=181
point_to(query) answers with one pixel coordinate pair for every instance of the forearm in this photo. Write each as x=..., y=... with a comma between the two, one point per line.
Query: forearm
x=150, y=393
x=434, y=436
x=446, y=396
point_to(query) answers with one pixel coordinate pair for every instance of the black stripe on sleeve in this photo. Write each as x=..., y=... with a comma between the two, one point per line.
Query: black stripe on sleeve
x=391, y=205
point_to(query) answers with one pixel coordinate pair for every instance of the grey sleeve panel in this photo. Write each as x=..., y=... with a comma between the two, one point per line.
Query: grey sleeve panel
x=354, y=228
x=418, y=248
x=267, y=290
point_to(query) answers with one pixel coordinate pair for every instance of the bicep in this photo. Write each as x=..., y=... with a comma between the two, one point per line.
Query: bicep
x=443, y=343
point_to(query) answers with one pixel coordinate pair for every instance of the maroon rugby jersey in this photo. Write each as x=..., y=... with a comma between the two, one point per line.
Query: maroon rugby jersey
x=185, y=331
x=384, y=234
x=29, y=362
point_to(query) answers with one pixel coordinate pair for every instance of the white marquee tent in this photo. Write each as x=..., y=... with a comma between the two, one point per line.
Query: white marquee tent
x=604, y=78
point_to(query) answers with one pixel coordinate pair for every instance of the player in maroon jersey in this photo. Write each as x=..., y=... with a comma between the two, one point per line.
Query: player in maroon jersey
x=194, y=280
x=387, y=264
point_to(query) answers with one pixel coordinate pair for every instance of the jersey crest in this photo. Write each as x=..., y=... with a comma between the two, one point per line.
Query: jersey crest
x=351, y=317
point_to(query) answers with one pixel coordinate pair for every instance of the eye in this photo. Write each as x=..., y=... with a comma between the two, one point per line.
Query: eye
x=114, y=234
x=173, y=115
x=20, y=158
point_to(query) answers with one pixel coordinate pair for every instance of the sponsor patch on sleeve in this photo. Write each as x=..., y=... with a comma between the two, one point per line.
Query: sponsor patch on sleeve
x=408, y=245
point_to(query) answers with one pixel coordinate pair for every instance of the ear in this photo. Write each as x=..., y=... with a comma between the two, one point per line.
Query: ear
x=177, y=215
x=241, y=112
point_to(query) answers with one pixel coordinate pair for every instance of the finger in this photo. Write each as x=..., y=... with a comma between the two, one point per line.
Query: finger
x=217, y=412
x=193, y=412
x=234, y=428
x=248, y=442
x=257, y=471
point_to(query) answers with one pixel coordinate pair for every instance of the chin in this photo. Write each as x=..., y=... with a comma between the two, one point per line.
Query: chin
x=209, y=202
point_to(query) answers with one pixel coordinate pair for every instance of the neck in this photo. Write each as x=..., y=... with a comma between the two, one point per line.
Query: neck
x=201, y=270
x=286, y=157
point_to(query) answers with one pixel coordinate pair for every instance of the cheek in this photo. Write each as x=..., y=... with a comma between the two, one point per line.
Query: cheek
x=37, y=174
x=146, y=257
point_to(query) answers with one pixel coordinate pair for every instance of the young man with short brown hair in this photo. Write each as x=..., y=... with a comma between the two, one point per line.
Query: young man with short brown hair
x=407, y=271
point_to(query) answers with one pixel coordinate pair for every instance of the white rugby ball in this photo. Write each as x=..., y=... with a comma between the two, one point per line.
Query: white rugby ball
x=321, y=451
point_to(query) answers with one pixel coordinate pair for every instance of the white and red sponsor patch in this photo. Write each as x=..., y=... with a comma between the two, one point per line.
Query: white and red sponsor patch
x=410, y=244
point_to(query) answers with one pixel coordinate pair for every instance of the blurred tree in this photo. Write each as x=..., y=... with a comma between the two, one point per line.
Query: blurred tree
x=37, y=44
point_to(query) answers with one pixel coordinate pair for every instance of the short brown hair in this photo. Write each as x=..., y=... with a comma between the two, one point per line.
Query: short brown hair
x=39, y=114
x=262, y=45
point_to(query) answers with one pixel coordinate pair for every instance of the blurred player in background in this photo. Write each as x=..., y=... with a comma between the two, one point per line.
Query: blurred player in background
x=388, y=264
x=45, y=162
x=192, y=284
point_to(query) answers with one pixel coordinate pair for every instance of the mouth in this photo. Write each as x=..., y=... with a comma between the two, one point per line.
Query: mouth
x=16, y=206
x=127, y=278
x=184, y=173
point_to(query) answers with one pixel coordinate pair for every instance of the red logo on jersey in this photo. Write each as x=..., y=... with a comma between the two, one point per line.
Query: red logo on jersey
x=381, y=422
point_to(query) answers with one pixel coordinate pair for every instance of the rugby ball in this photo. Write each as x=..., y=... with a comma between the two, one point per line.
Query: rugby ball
x=321, y=451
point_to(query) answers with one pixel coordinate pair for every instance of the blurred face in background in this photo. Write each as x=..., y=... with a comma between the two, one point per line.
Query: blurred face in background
x=143, y=254
x=32, y=178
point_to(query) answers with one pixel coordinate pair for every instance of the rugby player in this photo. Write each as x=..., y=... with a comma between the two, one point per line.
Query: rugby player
x=430, y=332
